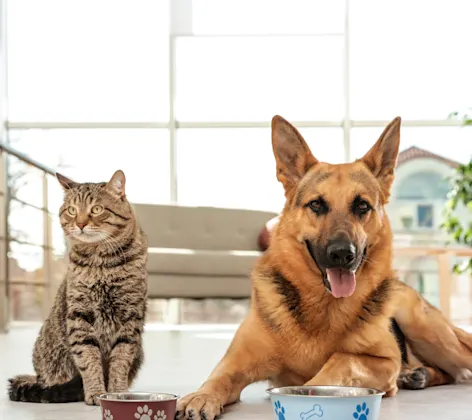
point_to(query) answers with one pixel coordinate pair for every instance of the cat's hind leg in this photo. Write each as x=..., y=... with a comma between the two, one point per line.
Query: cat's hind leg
x=57, y=380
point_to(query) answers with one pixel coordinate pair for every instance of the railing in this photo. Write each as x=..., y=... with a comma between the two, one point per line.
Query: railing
x=7, y=196
x=447, y=279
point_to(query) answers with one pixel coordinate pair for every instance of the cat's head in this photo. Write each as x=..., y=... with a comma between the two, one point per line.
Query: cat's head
x=95, y=212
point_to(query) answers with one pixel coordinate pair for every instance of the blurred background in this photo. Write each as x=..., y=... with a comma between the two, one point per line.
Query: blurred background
x=180, y=93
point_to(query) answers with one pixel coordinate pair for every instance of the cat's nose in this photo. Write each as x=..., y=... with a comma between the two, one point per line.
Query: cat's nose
x=81, y=225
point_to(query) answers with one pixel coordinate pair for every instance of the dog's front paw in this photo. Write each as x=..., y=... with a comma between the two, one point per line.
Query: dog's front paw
x=198, y=406
x=91, y=397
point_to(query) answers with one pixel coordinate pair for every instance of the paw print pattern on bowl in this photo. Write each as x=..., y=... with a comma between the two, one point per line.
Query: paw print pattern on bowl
x=107, y=415
x=144, y=413
x=362, y=412
x=279, y=411
x=160, y=415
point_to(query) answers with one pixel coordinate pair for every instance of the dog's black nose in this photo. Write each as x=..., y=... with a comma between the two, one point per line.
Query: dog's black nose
x=341, y=253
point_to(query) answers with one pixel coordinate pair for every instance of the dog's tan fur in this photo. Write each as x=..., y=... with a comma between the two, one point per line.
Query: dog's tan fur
x=296, y=332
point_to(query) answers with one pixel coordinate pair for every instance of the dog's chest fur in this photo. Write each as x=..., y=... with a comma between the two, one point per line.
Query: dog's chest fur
x=308, y=328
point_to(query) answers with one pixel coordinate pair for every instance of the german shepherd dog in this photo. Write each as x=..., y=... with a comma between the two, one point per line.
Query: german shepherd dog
x=326, y=306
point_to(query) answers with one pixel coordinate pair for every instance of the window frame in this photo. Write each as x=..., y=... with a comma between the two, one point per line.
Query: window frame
x=180, y=25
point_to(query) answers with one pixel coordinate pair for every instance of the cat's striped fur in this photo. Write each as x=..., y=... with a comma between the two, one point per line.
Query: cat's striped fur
x=91, y=341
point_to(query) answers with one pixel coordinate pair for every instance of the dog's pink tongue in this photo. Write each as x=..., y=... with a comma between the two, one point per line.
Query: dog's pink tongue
x=343, y=282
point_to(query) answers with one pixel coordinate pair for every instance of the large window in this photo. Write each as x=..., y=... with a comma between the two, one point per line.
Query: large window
x=238, y=168
x=408, y=58
x=252, y=78
x=90, y=60
x=268, y=17
x=93, y=155
x=453, y=143
x=160, y=88
x=181, y=97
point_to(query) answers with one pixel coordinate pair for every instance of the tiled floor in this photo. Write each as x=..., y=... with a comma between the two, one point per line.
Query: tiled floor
x=177, y=361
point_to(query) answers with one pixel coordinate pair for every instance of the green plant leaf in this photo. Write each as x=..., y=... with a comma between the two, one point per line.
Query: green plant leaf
x=460, y=193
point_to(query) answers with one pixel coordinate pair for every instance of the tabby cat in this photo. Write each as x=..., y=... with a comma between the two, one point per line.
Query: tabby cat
x=91, y=342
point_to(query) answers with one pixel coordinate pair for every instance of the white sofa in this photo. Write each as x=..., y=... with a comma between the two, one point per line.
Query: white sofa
x=201, y=252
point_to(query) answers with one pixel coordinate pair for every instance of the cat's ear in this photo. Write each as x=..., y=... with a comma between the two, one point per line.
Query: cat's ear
x=65, y=182
x=116, y=185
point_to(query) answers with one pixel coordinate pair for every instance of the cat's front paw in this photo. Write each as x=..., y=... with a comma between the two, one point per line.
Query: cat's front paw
x=118, y=388
x=91, y=397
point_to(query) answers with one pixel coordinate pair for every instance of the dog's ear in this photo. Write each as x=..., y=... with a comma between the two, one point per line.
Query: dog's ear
x=381, y=159
x=292, y=155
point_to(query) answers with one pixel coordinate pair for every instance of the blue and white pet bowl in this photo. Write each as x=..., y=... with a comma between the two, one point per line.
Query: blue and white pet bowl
x=325, y=403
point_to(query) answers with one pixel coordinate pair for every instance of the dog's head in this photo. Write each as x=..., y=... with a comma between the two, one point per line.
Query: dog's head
x=335, y=212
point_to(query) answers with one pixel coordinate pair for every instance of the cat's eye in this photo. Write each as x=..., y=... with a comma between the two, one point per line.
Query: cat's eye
x=97, y=209
x=72, y=210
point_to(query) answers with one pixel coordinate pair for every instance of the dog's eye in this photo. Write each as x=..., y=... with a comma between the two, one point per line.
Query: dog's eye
x=318, y=206
x=360, y=207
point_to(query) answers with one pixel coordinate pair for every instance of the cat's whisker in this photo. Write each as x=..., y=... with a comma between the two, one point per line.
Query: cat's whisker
x=116, y=247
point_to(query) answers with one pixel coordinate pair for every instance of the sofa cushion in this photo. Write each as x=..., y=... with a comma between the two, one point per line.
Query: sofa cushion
x=181, y=286
x=198, y=262
x=203, y=228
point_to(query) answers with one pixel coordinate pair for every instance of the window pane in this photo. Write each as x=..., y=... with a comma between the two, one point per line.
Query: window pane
x=26, y=223
x=27, y=299
x=236, y=167
x=252, y=79
x=410, y=58
x=449, y=142
x=58, y=237
x=419, y=192
x=94, y=155
x=268, y=16
x=25, y=182
x=26, y=288
x=55, y=191
x=87, y=61
x=23, y=257
x=425, y=216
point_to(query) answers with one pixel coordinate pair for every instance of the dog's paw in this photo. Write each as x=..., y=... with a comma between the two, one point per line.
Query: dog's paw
x=198, y=406
x=414, y=379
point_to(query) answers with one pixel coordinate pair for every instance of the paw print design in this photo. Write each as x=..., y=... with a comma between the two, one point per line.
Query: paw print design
x=362, y=412
x=279, y=410
x=160, y=415
x=107, y=415
x=143, y=413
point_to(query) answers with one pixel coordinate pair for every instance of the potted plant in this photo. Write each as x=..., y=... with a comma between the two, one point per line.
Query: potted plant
x=460, y=194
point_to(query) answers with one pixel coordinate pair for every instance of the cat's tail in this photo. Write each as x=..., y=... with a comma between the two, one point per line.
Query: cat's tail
x=26, y=388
